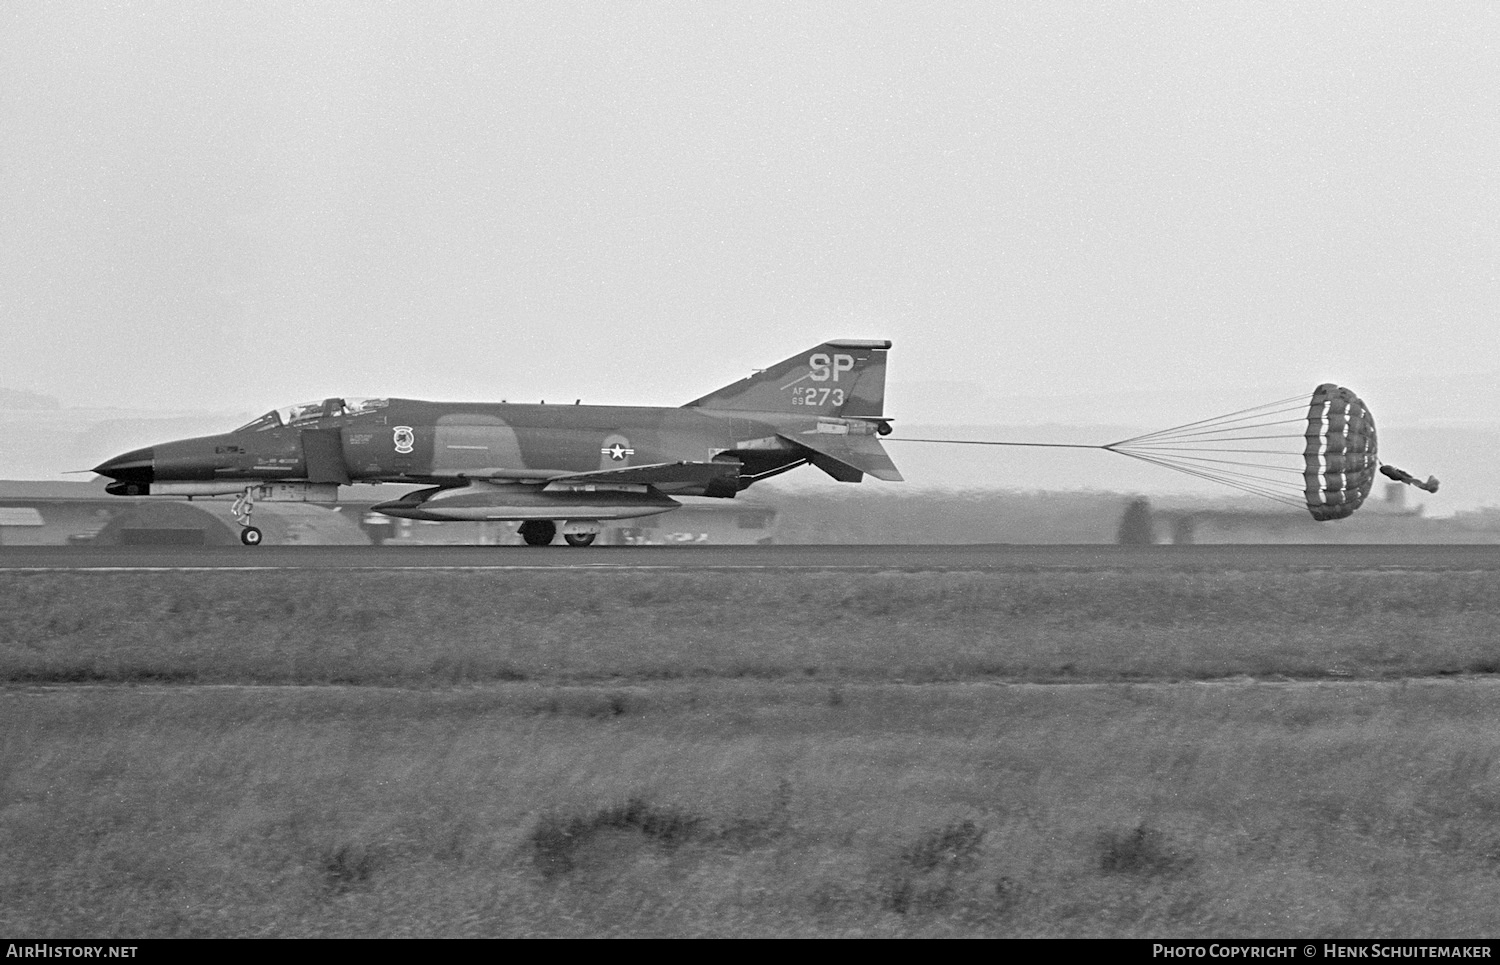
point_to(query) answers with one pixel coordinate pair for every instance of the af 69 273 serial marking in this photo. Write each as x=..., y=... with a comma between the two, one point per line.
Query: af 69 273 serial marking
x=812, y=395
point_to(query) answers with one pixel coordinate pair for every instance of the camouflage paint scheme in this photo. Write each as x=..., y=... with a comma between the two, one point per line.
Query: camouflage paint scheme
x=572, y=463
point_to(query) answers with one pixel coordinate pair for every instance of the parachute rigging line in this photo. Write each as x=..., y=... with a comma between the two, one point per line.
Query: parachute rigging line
x=1317, y=452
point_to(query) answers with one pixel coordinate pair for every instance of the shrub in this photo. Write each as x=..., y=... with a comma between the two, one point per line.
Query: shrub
x=1142, y=851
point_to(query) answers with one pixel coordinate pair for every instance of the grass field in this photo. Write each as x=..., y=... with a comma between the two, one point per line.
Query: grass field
x=526, y=753
x=441, y=628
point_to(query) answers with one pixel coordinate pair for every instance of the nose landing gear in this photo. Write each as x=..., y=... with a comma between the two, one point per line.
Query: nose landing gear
x=244, y=505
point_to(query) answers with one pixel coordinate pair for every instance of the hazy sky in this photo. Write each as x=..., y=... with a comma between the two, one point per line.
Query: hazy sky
x=242, y=205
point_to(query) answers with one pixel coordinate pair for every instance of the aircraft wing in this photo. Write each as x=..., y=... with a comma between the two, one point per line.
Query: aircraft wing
x=845, y=456
x=659, y=474
x=656, y=474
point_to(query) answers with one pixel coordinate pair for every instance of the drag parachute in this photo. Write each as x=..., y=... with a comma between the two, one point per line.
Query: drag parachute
x=1319, y=453
x=1316, y=453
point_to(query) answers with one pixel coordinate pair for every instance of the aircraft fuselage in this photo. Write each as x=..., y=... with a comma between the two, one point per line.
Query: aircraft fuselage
x=511, y=461
x=411, y=441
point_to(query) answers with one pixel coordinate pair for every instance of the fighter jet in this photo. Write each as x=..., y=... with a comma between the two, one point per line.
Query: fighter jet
x=551, y=467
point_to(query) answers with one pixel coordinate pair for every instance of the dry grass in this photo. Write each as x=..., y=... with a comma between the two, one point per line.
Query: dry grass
x=752, y=808
x=681, y=755
x=426, y=629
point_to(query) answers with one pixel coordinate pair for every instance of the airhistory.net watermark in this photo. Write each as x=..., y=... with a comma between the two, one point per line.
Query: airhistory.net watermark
x=48, y=950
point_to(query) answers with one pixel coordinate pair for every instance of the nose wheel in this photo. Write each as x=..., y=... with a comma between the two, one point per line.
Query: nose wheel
x=244, y=505
x=579, y=539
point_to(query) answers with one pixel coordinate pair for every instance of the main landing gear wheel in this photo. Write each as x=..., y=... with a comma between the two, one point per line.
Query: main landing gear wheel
x=579, y=539
x=250, y=536
x=538, y=532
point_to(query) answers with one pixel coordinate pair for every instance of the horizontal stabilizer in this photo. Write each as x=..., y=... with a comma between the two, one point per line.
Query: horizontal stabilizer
x=860, y=453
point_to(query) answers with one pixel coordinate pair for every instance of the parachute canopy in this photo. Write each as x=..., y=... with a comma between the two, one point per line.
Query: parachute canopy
x=1340, y=463
x=1319, y=453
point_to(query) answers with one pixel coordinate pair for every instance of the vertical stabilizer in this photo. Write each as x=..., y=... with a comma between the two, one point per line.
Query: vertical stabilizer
x=845, y=377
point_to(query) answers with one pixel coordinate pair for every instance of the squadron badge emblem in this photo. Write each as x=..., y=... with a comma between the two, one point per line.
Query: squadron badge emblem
x=404, y=438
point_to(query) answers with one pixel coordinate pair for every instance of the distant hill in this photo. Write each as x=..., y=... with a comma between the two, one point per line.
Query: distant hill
x=21, y=399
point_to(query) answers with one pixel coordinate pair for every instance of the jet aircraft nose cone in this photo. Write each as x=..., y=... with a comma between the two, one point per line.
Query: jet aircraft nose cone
x=138, y=465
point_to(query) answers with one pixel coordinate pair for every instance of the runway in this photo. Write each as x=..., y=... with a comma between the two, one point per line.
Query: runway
x=967, y=558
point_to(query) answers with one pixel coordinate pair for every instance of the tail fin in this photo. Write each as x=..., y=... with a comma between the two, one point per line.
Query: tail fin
x=845, y=377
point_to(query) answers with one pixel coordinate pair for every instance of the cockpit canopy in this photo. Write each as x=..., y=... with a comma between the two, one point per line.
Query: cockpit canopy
x=310, y=412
